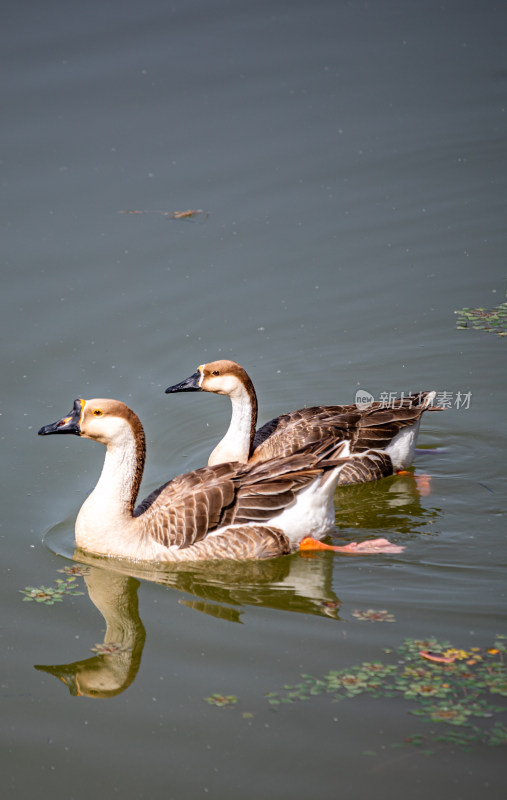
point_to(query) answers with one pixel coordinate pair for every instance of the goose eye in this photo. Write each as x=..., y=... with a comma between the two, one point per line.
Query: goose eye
x=97, y=412
x=215, y=372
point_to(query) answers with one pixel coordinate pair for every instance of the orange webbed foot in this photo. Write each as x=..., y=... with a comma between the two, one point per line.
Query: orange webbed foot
x=373, y=546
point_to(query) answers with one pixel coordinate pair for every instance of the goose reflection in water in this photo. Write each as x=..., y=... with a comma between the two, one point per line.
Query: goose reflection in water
x=106, y=675
x=390, y=506
x=298, y=584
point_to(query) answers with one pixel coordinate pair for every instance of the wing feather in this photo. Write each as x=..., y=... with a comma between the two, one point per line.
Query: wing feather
x=187, y=509
x=371, y=428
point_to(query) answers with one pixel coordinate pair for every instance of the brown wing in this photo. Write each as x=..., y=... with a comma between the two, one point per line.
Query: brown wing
x=290, y=432
x=365, y=467
x=380, y=424
x=267, y=488
x=371, y=428
x=187, y=509
x=183, y=511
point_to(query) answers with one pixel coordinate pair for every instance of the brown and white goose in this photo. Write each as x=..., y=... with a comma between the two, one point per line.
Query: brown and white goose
x=392, y=429
x=224, y=511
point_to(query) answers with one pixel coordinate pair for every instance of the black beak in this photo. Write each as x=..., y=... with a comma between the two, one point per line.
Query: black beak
x=189, y=385
x=69, y=424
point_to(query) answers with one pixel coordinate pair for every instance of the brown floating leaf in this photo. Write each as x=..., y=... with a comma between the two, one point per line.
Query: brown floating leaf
x=188, y=214
x=438, y=657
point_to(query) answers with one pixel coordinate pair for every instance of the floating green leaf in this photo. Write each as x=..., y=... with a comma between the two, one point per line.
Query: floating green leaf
x=221, y=700
x=42, y=594
x=75, y=569
x=494, y=319
x=49, y=595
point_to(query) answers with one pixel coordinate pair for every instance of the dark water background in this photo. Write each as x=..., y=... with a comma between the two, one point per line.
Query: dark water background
x=351, y=162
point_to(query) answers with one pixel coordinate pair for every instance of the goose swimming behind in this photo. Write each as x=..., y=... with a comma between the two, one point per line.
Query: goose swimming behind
x=224, y=511
x=393, y=429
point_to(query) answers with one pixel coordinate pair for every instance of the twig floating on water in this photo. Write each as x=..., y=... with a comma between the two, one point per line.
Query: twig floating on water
x=188, y=214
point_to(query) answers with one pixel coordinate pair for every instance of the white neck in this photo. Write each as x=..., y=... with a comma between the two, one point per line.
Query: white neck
x=107, y=511
x=235, y=446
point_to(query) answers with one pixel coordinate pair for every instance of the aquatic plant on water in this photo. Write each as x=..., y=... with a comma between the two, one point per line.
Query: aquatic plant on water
x=493, y=319
x=221, y=700
x=49, y=595
x=75, y=569
x=371, y=615
x=449, y=685
x=445, y=685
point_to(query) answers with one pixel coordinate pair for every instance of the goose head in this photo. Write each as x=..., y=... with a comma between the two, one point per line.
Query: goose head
x=106, y=421
x=220, y=377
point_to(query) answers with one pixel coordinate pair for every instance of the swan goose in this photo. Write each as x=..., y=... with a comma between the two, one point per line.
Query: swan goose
x=223, y=511
x=393, y=429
